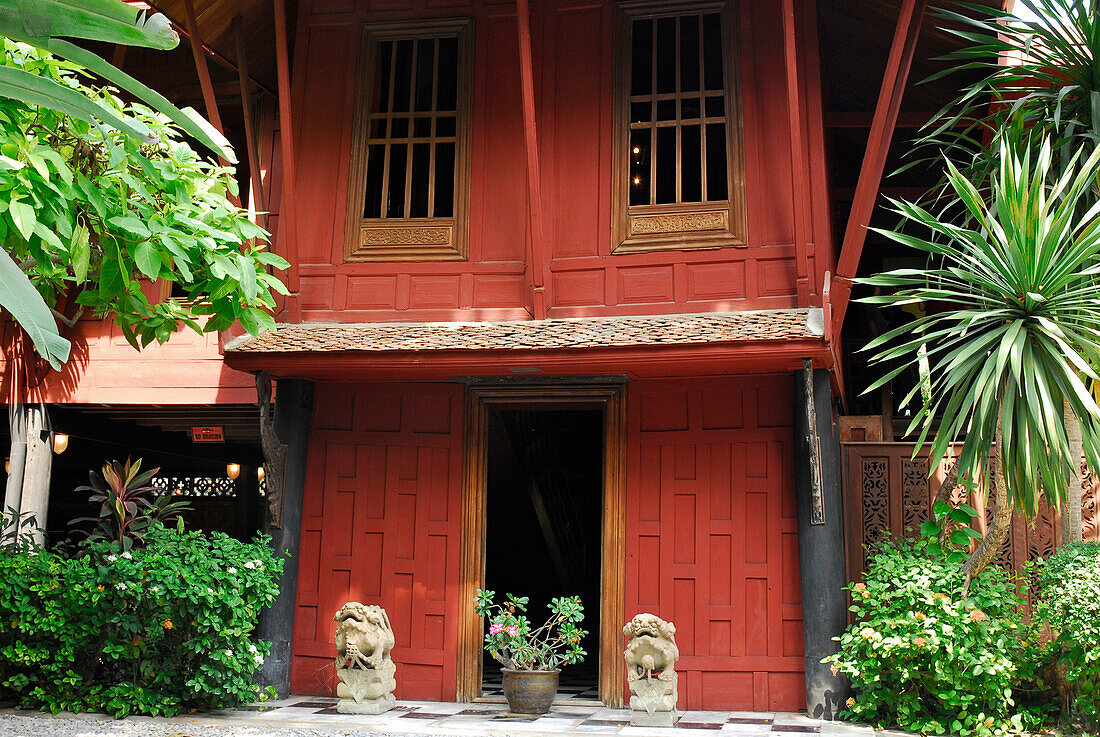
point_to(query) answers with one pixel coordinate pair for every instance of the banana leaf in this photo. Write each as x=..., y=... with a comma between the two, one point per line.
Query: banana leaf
x=19, y=297
x=110, y=21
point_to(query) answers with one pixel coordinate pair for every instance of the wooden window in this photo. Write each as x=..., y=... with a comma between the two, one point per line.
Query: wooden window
x=410, y=152
x=677, y=145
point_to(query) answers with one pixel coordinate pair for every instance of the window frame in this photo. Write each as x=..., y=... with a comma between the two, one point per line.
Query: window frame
x=685, y=225
x=412, y=238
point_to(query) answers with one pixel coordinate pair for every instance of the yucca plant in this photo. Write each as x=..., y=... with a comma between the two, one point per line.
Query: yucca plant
x=1011, y=330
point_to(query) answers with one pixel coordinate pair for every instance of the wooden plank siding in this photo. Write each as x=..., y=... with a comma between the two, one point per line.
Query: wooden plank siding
x=573, y=48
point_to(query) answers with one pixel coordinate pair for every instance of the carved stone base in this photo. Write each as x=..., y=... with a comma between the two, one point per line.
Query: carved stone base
x=366, y=690
x=656, y=719
x=367, y=706
x=653, y=701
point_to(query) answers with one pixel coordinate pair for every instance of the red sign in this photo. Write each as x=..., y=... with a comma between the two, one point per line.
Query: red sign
x=207, y=435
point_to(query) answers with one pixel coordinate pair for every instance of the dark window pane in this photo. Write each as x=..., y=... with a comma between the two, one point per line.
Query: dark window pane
x=666, y=110
x=382, y=83
x=447, y=96
x=445, y=126
x=717, y=180
x=691, y=175
x=422, y=127
x=444, y=180
x=689, y=108
x=395, y=200
x=399, y=128
x=376, y=162
x=641, y=112
x=425, y=60
x=378, y=128
x=689, y=53
x=641, y=57
x=666, y=165
x=712, y=51
x=666, y=55
x=716, y=107
x=402, y=76
x=421, y=174
x=639, y=167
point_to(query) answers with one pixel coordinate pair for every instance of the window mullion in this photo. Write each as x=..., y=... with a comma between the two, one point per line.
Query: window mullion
x=385, y=208
x=653, y=113
x=702, y=117
x=679, y=128
x=409, y=145
x=435, y=117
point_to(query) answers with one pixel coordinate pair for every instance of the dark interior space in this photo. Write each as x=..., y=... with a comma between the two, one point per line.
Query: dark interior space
x=195, y=472
x=544, y=501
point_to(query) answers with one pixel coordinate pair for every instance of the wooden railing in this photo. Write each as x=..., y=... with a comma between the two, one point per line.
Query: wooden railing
x=887, y=490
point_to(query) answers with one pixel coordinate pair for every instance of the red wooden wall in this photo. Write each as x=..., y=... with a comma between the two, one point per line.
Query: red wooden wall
x=712, y=541
x=380, y=525
x=573, y=50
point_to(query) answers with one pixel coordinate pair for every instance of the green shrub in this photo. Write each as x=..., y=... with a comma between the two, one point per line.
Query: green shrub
x=923, y=658
x=1069, y=602
x=152, y=630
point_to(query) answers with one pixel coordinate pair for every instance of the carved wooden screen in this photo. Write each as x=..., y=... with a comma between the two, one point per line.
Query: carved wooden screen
x=712, y=536
x=677, y=138
x=380, y=525
x=887, y=490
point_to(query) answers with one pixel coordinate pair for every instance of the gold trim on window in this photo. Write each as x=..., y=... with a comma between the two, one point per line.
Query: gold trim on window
x=408, y=140
x=672, y=121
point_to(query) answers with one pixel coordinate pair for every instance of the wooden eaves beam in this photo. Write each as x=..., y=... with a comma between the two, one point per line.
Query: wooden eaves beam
x=259, y=203
x=288, y=232
x=799, y=157
x=538, y=265
x=874, y=159
x=199, y=53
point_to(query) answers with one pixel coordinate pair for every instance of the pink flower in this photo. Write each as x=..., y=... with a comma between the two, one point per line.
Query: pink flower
x=496, y=628
x=512, y=630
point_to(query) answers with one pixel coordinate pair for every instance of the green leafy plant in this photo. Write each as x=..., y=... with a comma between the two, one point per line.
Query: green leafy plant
x=150, y=630
x=923, y=658
x=1011, y=330
x=126, y=511
x=513, y=642
x=1069, y=602
x=87, y=213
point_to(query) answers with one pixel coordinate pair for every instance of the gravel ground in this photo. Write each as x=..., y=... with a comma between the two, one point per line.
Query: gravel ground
x=98, y=726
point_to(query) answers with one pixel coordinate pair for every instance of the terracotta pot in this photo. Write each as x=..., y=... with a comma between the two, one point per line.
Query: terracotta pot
x=530, y=691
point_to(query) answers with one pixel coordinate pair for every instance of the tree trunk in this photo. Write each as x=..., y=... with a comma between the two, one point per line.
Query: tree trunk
x=998, y=530
x=1071, y=510
x=28, y=485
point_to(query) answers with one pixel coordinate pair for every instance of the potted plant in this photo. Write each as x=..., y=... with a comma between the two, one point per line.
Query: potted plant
x=531, y=656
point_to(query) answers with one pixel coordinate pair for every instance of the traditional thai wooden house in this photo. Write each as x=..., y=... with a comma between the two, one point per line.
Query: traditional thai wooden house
x=567, y=282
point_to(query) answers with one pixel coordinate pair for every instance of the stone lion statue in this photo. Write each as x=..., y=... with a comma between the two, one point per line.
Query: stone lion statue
x=651, y=648
x=364, y=636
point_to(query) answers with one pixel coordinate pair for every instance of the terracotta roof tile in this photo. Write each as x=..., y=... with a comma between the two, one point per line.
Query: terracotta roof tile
x=587, y=332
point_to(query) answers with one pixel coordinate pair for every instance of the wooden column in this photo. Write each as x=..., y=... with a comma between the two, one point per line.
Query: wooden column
x=820, y=539
x=799, y=158
x=288, y=232
x=538, y=264
x=259, y=204
x=293, y=411
x=874, y=159
x=203, y=70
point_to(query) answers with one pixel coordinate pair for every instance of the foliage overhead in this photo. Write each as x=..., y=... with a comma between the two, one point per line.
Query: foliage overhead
x=1012, y=324
x=89, y=212
x=1050, y=85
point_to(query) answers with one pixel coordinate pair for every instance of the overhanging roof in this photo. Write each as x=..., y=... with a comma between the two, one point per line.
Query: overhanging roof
x=666, y=344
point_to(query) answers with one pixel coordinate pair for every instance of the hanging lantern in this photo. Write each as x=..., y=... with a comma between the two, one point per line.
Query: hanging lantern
x=233, y=470
x=60, y=442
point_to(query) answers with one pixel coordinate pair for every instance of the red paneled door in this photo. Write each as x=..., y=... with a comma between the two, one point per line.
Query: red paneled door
x=381, y=525
x=712, y=537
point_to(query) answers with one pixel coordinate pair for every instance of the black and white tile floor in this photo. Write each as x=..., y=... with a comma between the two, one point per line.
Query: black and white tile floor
x=570, y=715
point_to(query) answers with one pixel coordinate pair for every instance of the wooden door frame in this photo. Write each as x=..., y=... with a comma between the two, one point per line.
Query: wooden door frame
x=610, y=397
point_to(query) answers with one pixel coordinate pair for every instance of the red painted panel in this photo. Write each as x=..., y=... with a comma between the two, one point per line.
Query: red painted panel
x=578, y=287
x=380, y=524
x=712, y=539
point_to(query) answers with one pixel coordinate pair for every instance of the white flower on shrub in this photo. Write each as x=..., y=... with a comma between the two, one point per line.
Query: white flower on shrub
x=127, y=555
x=120, y=586
x=228, y=652
x=112, y=558
x=231, y=569
x=249, y=565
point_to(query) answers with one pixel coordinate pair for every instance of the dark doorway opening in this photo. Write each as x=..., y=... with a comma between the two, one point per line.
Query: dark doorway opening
x=544, y=501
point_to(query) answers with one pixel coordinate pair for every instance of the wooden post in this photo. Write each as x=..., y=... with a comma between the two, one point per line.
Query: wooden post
x=255, y=180
x=539, y=262
x=293, y=410
x=288, y=232
x=820, y=540
x=874, y=159
x=799, y=157
x=203, y=70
